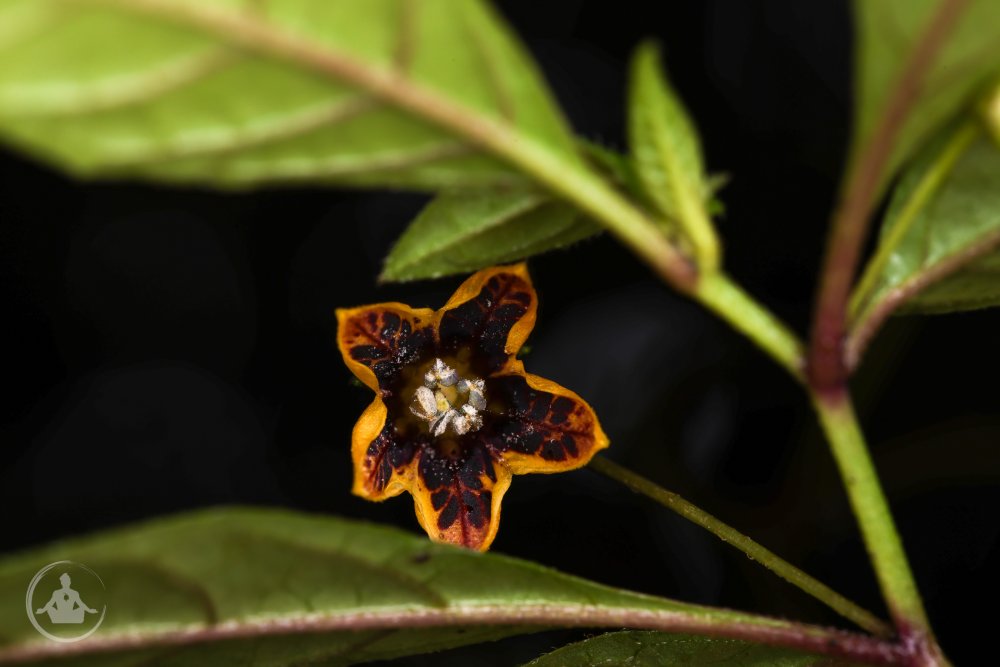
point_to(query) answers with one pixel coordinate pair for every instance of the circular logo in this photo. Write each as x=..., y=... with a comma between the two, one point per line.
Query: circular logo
x=66, y=601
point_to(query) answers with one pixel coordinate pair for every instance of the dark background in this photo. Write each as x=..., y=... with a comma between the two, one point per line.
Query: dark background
x=166, y=349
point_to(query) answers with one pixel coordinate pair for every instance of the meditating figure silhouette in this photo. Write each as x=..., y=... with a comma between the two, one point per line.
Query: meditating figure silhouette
x=65, y=605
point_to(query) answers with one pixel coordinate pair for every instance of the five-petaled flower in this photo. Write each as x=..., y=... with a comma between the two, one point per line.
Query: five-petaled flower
x=455, y=414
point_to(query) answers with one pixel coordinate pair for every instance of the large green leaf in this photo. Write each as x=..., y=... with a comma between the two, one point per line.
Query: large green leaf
x=464, y=230
x=667, y=156
x=233, y=92
x=434, y=94
x=938, y=250
x=655, y=649
x=270, y=587
x=917, y=63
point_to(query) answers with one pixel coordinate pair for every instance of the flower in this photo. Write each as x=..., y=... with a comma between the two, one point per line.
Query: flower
x=455, y=414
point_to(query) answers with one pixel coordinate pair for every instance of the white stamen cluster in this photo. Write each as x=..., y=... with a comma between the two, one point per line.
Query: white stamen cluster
x=432, y=403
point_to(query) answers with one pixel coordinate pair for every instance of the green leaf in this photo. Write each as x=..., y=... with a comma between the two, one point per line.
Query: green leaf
x=654, y=649
x=974, y=286
x=938, y=250
x=434, y=94
x=270, y=587
x=615, y=167
x=230, y=93
x=991, y=112
x=620, y=170
x=667, y=156
x=465, y=230
x=956, y=234
x=918, y=62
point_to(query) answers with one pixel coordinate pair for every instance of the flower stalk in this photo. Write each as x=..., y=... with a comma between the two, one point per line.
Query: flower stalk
x=793, y=575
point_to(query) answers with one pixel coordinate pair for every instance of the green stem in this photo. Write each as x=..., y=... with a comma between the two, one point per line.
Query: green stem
x=928, y=186
x=717, y=292
x=793, y=575
x=871, y=509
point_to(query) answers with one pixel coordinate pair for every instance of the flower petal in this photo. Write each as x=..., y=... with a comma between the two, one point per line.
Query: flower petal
x=458, y=500
x=492, y=312
x=383, y=462
x=376, y=341
x=546, y=428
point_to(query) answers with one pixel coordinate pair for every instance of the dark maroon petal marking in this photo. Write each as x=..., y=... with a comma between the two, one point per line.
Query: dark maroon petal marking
x=478, y=511
x=456, y=485
x=439, y=498
x=385, y=342
x=449, y=514
x=537, y=423
x=484, y=322
x=387, y=454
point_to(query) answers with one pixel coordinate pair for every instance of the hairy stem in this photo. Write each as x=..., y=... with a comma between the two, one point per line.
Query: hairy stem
x=725, y=298
x=871, y=509
x=827, y=367
x=793, y=575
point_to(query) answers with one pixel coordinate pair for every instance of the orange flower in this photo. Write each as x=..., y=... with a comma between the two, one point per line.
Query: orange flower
x=455, y=414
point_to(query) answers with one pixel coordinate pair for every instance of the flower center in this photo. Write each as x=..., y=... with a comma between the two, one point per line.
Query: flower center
x=446, y=400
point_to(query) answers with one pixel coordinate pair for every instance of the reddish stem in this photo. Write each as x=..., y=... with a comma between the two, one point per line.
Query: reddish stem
x=827, y=369
x=827, y=641
x=919, y=649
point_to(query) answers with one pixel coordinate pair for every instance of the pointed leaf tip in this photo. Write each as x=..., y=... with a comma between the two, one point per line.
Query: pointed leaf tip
x=466, y=230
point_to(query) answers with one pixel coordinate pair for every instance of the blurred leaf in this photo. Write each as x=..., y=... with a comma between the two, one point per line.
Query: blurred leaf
x=952, y=63
x=714, y=183
x=938, y=250
x=667, y=155
x=616, y=167
x=382, y=92
x=268, y=587
x=465, y=230
x=991, y=112
x=619, y=169
x=976, y=285
x=961, y=220
x=654, y=649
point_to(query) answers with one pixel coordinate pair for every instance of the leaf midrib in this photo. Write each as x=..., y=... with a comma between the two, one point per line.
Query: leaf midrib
x=666, y=150
x=528, y=615
x=388, y=84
